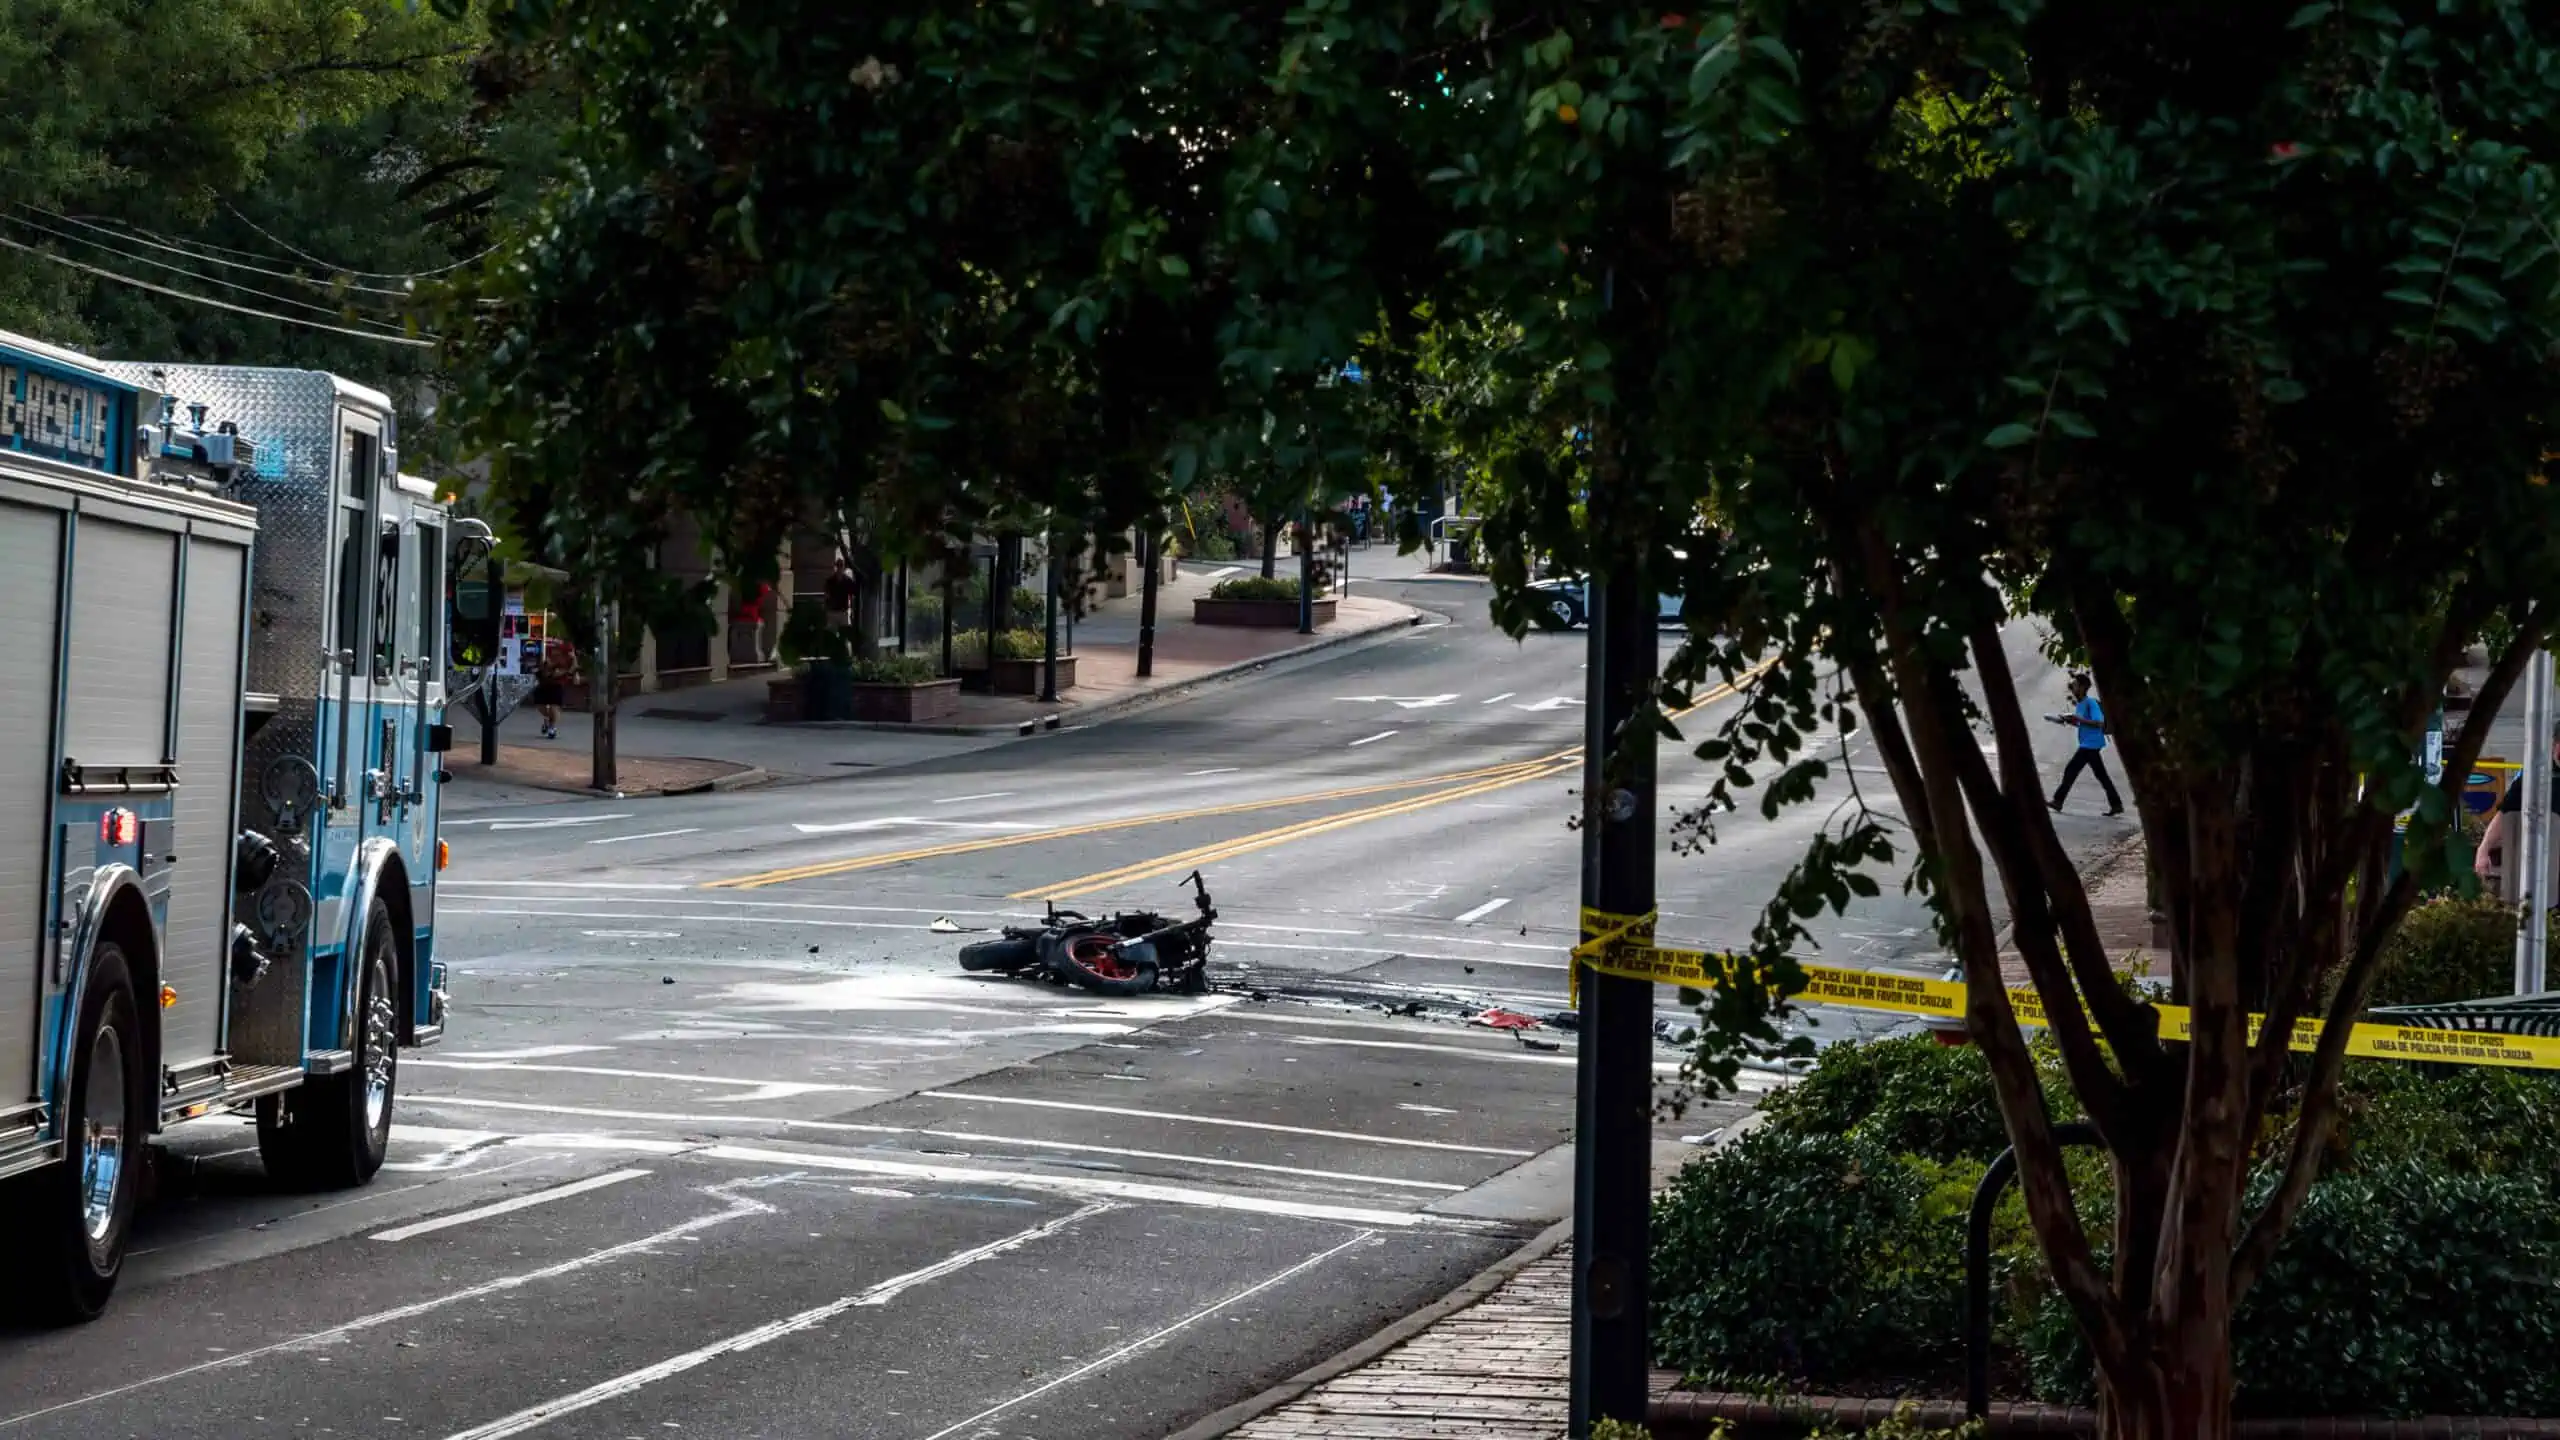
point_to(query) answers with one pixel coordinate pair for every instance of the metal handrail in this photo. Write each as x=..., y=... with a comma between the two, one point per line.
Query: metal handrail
x=1977, y=1264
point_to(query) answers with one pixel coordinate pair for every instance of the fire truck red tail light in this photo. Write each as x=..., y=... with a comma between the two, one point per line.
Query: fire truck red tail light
x=119, y=827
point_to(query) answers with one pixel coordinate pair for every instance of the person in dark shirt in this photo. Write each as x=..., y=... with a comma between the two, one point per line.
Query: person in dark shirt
x=2504, y=834
x=841, y=593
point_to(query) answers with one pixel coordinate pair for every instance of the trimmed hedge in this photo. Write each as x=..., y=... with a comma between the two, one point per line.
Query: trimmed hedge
x=1255, y=587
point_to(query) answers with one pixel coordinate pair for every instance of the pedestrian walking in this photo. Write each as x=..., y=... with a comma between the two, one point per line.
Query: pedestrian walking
x=843, y=591
x=2090, y=719
x=550, y=682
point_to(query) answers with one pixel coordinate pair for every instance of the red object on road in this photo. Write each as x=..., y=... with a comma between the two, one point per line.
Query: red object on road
x=1507, y=1020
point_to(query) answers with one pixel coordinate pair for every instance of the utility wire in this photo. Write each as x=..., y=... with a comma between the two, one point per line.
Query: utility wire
x=270, y=296
x=289, y=249
x=126, y=234
x=106, y=274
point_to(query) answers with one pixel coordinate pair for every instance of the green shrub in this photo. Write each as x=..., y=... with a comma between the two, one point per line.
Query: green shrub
x=1208, y=543
x=2400, y=1290
x=1908, y=1093
x=970, y=645
x=808, y=637
x=1255, y=587
x=1803, y=1255
x=894, y=670
x=2467, y=1119
x=2449, y=949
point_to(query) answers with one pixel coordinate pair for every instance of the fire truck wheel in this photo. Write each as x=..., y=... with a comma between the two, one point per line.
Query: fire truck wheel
x=78, y=1213
x=333, y=1131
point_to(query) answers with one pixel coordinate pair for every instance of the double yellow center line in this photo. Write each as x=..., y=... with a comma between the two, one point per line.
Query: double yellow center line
x=1464, y=783
x=760, y=879
x=1198, y=856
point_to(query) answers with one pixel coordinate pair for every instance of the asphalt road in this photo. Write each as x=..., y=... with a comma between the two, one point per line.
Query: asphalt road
x=722, y=1142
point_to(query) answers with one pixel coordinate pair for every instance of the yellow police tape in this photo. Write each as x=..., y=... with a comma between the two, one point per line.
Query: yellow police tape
x=1623, y=945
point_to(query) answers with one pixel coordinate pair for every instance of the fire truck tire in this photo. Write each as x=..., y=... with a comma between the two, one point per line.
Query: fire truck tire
x=333, y=1132
x=78, y=1214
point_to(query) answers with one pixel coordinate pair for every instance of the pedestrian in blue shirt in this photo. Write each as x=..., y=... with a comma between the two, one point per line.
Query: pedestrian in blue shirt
x=2091, y=721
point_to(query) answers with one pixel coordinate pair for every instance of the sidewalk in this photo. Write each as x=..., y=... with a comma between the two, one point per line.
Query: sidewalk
x=715, y=735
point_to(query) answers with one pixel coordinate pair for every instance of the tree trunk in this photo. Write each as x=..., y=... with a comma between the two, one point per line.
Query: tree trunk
x=1271, y=546
x=2180, y=1389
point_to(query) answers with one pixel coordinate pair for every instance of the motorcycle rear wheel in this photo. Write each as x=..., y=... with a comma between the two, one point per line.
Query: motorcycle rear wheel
x=1095, y=963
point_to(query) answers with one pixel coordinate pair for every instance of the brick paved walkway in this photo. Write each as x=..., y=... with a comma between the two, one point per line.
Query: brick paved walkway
x=1493, y=1371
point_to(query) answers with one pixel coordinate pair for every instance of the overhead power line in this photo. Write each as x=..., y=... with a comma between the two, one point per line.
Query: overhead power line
x=290, y=249
x=134, y=235
x=106, y=274
x=142, y=259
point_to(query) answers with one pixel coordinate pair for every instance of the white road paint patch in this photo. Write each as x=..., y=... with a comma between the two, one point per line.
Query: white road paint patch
x=449, y=884
x=452, y=1102
x=738, y=1207
x=1552, y=702
x=564, y=822
x=753, y=904
x=1498, y=699
x=897, y=822
x=535, y=1417
x=1401, y=702
x=843, y=1162
x=1214, y=770
x=647, y=835
x=633, y=934
x=930, y=1133
x=503, y=822
x=724, y=919
x=1374, y=739
x=1179, y=1118
x=983, y=795
x=1481, y=911
x=1133, y=1347
x=508, y=1206
x=526, y=1052
x=760, y=1089
x=1427, y=1109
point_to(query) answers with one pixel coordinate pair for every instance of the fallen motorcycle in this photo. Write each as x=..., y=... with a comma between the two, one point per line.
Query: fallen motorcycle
x=1131, y=952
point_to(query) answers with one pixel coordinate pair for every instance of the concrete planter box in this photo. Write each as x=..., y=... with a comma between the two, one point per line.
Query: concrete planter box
x=1257, y=614
x=782, y=700
x=923, y=704
x=1022, y=677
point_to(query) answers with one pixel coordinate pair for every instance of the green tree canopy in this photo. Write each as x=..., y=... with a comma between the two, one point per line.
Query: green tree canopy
x=2216, y=338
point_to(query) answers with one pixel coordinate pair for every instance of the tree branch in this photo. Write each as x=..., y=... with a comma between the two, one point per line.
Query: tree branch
x=2132, y=1030
x=2320, y=1091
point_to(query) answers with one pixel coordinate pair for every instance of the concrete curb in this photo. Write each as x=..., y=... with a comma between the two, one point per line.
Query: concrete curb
x=1115, y=708
x=736, y=780
x=1483, y=1283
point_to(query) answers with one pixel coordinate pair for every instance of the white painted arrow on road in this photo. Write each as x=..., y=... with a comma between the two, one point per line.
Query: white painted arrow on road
x=1553, y=702
x=892, y=822
x=1402, y=702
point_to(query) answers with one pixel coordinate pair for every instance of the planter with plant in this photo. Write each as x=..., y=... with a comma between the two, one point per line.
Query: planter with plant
x=1014, y=669
x=900, y=689
x=1258, y=602
x=819, y=654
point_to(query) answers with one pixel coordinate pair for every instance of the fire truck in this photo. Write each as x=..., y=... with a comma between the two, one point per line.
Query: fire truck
x=221, y=673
